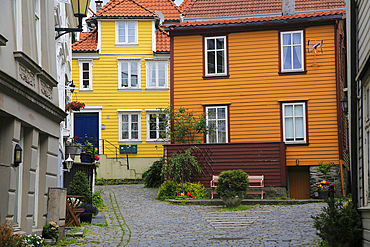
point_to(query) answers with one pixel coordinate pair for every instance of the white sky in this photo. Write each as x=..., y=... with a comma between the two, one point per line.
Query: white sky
x=93, y=6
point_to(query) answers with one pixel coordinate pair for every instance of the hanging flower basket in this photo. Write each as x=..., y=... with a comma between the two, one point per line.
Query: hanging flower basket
x=75, y=106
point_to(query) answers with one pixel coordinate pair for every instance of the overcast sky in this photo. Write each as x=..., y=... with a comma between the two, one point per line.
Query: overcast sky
x=93, y=6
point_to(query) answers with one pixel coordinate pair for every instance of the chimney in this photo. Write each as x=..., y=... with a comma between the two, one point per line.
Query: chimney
x=98, y=5
x=288, y=7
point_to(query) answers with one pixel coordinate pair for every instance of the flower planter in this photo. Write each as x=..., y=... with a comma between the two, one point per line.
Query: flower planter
x=323, y=194
x=232, y=202
x=85, y=158
x=86, y=217
x=71, y=150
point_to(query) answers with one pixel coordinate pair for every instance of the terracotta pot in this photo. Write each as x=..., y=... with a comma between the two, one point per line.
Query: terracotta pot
x=232, y=202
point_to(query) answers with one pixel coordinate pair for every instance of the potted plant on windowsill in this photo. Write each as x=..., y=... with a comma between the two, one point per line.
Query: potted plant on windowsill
x=72, y=147
x=231, y=186
x=88, y=153
x=90, y=210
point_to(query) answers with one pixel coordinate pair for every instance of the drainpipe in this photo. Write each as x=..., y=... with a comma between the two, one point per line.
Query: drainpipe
x=353, y=104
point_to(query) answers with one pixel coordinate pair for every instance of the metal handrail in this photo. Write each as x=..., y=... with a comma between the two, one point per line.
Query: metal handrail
x=103, y=147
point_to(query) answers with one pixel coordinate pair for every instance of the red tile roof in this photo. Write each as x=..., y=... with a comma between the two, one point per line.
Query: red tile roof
x=124, y=8
x=163, y=41
x=212, y=8
x=256, y=19
x=167, y=7
x=184, y=5
x=87, y=43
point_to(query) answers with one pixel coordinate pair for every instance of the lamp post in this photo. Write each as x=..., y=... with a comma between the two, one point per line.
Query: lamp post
x=80, y=8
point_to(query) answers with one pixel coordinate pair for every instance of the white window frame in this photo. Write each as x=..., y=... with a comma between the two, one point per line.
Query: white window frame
x=129, y=61
x=38, y=29
x=206, y=57
x=291, y=46
x=147, y=72
x=126, y=43
x=217, y=119
x=80, y=65
x=294, y=131
x=157, y=112
x=129, y=112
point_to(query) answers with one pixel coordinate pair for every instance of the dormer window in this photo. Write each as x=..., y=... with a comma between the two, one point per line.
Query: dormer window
x=126, y=33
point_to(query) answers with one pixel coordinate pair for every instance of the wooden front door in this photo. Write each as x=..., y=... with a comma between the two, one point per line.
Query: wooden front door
x=299, y=182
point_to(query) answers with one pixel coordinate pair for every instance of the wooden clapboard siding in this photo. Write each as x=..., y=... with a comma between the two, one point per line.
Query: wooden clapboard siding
x=105, y=88
x=255, y=89
x=108, y=39
x=265, y=158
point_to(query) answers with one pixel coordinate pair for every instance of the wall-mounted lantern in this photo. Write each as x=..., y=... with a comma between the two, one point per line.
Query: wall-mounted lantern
x=80, y=8
x=17, y=155
x=344, y=103
x=69, y=163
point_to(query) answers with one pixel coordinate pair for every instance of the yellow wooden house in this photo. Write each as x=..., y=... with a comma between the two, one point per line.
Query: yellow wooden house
x=272, y=76
x=121, y=72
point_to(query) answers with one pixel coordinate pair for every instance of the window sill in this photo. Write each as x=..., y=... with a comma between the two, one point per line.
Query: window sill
x=129, y=89
x=85, y=90
x=154, y=141
x=157, y=89
x=293, y=72
x=216, y=77
x=296, y=143
x=129, y=141
x=127, y=45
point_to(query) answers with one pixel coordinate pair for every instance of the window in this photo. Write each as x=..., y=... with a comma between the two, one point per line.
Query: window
x=38, y=29
x=157, y=123
x=215, y=56
x=129, y=74
x=126, y=32
x=129, y=125
x=156, y=74
x=292, y=51
x=217, y=124
x=294, y=122
x=85, y=74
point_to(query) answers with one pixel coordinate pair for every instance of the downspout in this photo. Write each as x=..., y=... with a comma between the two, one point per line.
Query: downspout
x=353, y=105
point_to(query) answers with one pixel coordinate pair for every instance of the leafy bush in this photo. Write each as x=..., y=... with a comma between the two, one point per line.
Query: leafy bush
x=232, y=183
x=50, y=230
x=180, y=166
x=152, y=177
x=170, y=190
x=7, y=237
x=339, y=224
x=80, y=186
x=97, y=201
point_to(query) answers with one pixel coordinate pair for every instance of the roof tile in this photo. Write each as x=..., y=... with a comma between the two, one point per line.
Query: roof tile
x=124, y=8
x=163, y=41
x=212, y=8
x=257, y=19
x=87, y=43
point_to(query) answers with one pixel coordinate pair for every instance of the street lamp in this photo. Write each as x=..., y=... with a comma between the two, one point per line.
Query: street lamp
x=344, y=103
x=80, y=8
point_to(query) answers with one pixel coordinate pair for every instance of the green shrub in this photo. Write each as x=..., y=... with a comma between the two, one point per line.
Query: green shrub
x=170, y=190
x=232, y=183
x=152, y=177
x=80, y=186
x=339, y=224
x=97, y=201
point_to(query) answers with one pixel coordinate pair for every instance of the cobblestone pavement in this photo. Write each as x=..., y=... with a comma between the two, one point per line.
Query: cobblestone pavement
x=135, y=218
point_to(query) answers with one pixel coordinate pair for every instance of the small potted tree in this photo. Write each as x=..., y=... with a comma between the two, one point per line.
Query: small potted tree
x=88, y=152
x=231, y=186
x=80, y=186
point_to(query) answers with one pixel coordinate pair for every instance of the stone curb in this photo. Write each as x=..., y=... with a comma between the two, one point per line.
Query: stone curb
x=217, y=202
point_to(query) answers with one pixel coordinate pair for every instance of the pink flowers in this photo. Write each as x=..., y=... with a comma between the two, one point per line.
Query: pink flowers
x=97, y=157
x=75, y=106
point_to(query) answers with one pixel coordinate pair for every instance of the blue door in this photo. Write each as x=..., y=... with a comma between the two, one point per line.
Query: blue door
x=86, y=127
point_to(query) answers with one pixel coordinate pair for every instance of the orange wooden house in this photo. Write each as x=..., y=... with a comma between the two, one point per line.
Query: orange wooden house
x=273, y=75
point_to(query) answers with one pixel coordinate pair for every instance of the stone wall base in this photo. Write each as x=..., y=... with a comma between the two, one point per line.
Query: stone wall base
x=334, y=177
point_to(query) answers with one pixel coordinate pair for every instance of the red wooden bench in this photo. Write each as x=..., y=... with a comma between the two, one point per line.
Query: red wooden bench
x=254, y=182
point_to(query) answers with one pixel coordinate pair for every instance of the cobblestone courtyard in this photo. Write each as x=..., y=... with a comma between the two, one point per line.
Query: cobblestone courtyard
x=135, y=218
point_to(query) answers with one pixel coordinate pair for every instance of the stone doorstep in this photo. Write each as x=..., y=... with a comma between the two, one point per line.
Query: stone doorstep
x=214, y=202
x=71, y=231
